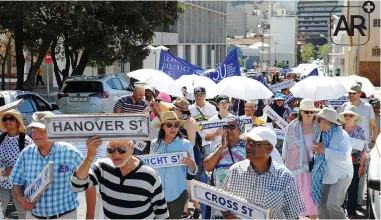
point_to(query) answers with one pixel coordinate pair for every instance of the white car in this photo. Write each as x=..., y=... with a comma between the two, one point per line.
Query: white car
x=32, y=103
x=92, y=94
x=374, y=177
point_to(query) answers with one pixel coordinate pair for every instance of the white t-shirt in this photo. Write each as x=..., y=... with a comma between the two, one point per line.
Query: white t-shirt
x=275, y=156
x=217, y=141
x=200, y=115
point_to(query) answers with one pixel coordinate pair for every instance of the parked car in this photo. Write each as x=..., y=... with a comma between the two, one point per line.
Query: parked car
x=374, y=177
x=32, y=103
x=92, y=94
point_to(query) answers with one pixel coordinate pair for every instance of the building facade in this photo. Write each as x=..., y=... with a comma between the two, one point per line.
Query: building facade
x=236, y=24
x=313, y=19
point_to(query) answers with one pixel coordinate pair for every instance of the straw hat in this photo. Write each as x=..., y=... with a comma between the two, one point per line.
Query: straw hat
x=15, y=114
x=352, y=110
x=169, y=117
x=307, y=105
x=182, y=104
x=329, y=115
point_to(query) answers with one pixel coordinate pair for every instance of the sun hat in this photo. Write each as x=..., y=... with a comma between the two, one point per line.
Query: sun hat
x=39, y=119
x=279, y=96
x=349, y=109
x=182, y=104
x=169, y=117
x=261, y=134
x=15, y=114
x=307, y=105
x=355, y=88
x=328, y=114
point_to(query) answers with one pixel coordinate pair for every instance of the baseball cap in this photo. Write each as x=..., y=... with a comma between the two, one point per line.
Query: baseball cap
x=222, y=98
x=39, y=119
x=199, y=89
x=355, y=88
x=374, y=101
x=260, y=134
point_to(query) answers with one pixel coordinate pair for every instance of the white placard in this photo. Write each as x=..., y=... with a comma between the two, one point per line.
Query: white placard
x=283, y=85
x=280, y=134
x=208, y=125
x=336, y=103
x=11, y=105
x=164, y=160
x=273, y=115
x=101, y=152
x=140, y=145
x=106, y=126
x=224, y=201
x=40, y=184
x=357, y=144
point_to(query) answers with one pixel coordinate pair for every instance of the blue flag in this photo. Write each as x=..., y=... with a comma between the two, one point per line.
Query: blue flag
x=314, y=72
x=263, y=81
x=175, y=67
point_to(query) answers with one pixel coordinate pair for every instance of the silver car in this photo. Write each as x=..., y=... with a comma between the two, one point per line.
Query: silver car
x=374, y=177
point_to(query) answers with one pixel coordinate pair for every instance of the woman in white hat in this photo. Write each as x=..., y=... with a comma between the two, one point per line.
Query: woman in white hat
x=13, y=135
x=174, y=179
x=301, y=134
x=350, y=120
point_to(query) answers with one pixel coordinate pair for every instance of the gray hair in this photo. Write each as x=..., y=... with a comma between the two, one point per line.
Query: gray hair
x=254, y=102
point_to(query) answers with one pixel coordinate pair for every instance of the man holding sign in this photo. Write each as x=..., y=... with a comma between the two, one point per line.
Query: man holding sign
x=129, y=188
x=57, y=199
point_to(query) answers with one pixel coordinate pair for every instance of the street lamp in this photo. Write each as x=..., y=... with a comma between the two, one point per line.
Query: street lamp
x=329, y=51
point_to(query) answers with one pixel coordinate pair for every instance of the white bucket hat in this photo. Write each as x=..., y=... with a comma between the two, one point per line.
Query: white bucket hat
x=307, y=105
x=352, y=110
x=328, y=114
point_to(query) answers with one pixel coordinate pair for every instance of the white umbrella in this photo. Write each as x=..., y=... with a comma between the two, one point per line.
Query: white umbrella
x=319, y=88
x=158, y=79
x=192, y=81
x=348, y=81
x=244, y=88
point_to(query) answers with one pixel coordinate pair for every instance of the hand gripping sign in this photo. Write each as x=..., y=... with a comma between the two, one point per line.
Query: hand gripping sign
x=106, y=126
x=209, y=125
x=273, y=115
x=164, y=160
x=225, y=201
x=40, y=184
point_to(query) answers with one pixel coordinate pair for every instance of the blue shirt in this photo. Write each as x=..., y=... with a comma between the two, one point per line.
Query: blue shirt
x=173, y=179
x=338, y=158
x=58, y=198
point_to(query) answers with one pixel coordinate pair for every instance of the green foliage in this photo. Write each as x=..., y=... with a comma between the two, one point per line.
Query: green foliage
x=240, y=62
x=324, y=51
x=308, y=52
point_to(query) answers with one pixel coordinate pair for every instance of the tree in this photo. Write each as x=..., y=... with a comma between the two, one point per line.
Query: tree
x=5, y=49
x=307, y=52
x=324, y=51
x=240, y=61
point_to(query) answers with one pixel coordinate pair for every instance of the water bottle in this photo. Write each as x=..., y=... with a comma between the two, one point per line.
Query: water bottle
x=2, y=168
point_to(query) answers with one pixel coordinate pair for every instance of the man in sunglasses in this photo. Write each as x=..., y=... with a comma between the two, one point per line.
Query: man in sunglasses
x=58, y=201
x=130, y=189
x=262, y=180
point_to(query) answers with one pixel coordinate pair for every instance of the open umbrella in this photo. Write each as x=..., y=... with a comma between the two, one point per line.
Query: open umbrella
x=348, y=81
x=158, y=79
x=244, y=88
x=192, y=81
x=319, y=88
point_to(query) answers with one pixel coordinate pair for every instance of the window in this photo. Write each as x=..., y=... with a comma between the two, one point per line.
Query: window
x=124, y=83
x=118, y=85
x=83, y=87
x=26, y=106
x=109, y=83
x=41, y=105
x=376, y=51
x=376, y=22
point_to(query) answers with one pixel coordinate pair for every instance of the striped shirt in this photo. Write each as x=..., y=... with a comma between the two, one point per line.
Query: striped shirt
x=137, y=195
x=126, y=104
x=58, y=198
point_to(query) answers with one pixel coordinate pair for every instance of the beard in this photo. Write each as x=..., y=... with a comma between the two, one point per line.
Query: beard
x=122, y=164
x=250, y=154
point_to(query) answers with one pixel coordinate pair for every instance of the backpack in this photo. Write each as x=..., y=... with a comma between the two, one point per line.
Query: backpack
x=21, y=140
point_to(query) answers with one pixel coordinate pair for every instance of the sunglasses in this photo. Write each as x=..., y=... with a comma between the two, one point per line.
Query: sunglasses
x=348, y=116
x=170, y=125
x=121, y=150
x=308, y=112
x=10, y=119
x=256, y=144
x=34, y=130
x=229, y=127
x=199, y=94
x=319, y=120
x=352, y=93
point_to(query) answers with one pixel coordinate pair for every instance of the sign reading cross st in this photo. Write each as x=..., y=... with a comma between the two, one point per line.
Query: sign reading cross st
x=48, y=58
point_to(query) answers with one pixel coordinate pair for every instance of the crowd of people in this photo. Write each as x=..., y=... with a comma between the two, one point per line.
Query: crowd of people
x=316, y=170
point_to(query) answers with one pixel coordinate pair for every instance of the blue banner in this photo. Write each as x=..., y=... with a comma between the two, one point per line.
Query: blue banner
x=314, y=72
x=175, y=67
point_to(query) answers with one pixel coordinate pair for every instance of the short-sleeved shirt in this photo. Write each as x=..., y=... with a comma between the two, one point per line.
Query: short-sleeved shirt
x=9, y=152
x=275, y=189
x=214, y=143
x=365, y=110
x=59, y=197
x=126, y=104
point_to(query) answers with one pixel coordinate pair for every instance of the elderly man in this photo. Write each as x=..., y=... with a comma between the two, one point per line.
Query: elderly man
x=58, y=201
x=332, y=167
x=133, y=103
x=130, y=189
x=261, y=180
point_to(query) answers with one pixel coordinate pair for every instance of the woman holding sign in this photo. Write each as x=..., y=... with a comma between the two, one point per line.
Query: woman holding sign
x=174, y=179
x=301, y=134
x=350, y=118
